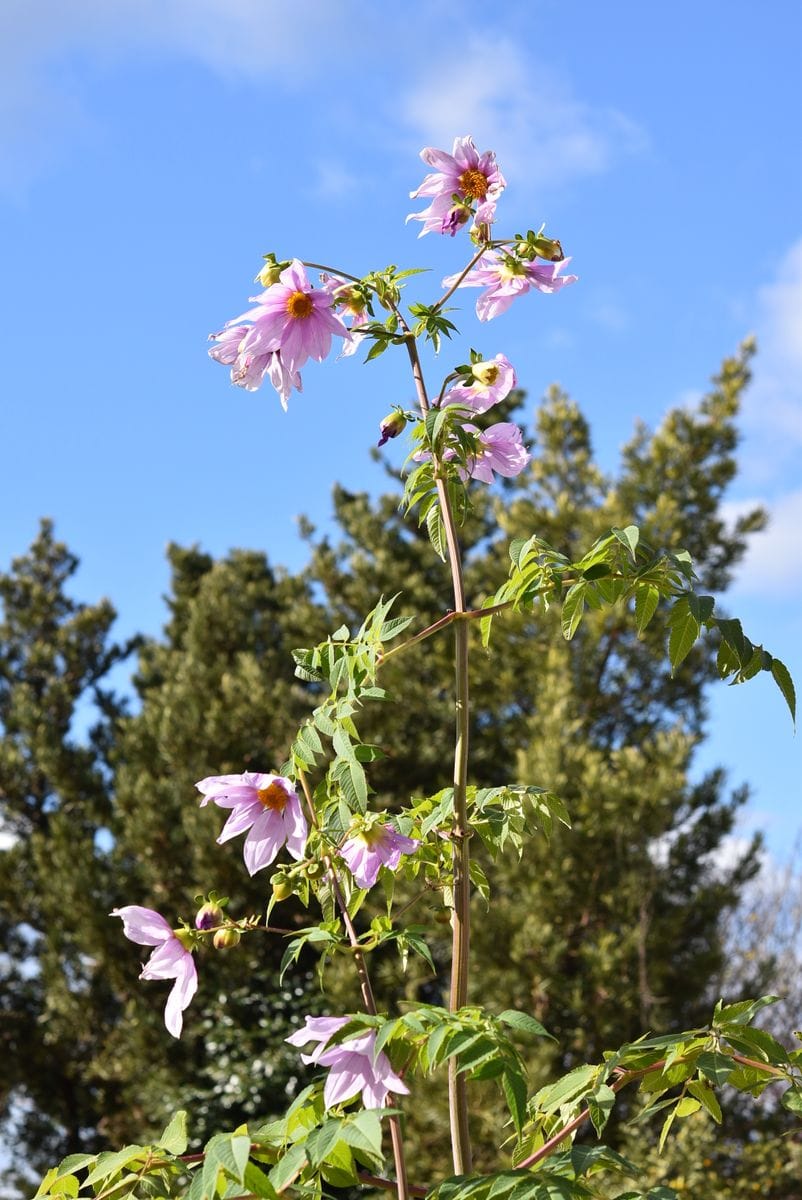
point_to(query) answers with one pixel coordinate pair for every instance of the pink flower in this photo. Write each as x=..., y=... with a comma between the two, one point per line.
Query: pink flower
x=492, y=382
x=371, y=849
x=171, y=960
x=500, y=448
x=267, y=805
x=292, y=322
x=354, y=1065
x=475, y=179
x=506, y=278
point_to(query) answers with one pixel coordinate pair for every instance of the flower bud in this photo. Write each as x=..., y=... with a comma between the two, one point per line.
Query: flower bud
x=270, y=272
x=393, y=424
x=225, y=939
x=282, y=886
x=314, y=870
x=208, y=916
x=548, y=248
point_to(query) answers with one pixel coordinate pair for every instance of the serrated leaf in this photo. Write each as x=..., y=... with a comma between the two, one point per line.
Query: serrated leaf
x=716, y=1067
x=175, y=1139
x=322, y=1140
x=514, y=1087
x=113, y=1161
x=707, y=1097
x=600, y=1105
x=647, y=598
x=523, y=1022
x=687, y=1106
x=257, y=1183
x=573, y=609
x=791, y=1100
x=684, y=632
x=288, y=1167
x=436, y=531
x=629, y=537
x=782, y=677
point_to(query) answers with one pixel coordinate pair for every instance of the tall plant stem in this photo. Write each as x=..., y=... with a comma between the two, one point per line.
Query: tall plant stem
x=460, y=831
x=368, y=998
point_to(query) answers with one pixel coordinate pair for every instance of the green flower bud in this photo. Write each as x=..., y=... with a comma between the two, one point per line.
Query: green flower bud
x=393, y=424
x=314, y=870
x=282, y=886
x=225, y=939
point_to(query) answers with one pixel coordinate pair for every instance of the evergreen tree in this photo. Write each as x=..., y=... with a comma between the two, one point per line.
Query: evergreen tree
x=55, y=879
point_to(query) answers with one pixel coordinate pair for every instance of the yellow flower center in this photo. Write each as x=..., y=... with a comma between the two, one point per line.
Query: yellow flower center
x=300, y=305
x=273, y=796
x=473, y=184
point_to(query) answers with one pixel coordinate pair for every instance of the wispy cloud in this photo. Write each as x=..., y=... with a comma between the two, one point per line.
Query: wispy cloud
x=773, y=407
x=774, y=559
x=44, y=108
x=542, y=132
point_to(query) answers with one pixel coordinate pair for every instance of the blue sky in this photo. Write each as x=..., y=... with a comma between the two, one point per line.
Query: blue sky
x=152, y=150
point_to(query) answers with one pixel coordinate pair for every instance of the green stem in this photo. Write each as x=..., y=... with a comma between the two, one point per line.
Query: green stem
x=368, y=998
x=460, y=832
x=447, y=295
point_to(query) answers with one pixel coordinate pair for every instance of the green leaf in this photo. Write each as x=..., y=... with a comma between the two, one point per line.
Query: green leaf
x=363, y=1133
x=573, y=609
x=791, y=1099
x=782, y=677
x=684, y=632
x=436, y=530
x=687, y=1106
x=707, y=1097
x=600, y=1105
x=174, y=1139
x=113, y=1161
x=514, y=1087
x=255, y=1181
x=288, y=1167
x=629, y=537
x=647, y=598
x=523, y=1022
x=322, y=1140
x=716, y=1067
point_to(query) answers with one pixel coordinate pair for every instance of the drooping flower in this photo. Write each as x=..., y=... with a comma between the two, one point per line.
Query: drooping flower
x=499, y=448
x=292, y=322
x=372, y=848
x=506, y=277
x=492, y=381
x=472, y=177
x=354, y=1066
x=267, y=806
x=170, y=960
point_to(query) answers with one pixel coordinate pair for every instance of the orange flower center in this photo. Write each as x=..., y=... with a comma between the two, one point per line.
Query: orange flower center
x=273, y=796
x=473, y=183
x=300, y=305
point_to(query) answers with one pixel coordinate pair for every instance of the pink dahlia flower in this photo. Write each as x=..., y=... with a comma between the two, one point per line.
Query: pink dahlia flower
x=492, y=382
x=474, y=178
x=354, y=1066
x=371, y=849
x=267, y=806
x=291, y=323
x=506, y=278
x=171, y=959
x=500, y=448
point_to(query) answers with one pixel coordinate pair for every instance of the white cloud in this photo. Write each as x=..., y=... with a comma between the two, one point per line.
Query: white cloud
x=773, y=405
x=43, y=109
x=541, y=132
x=774, y=558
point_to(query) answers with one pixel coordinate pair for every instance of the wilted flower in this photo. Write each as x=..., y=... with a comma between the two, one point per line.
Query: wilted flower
x=493, y=380
x=472, y=177
x=506, y=277
x=267, y=805
x=354, y=1065
x=172, y=960
x=372, y=848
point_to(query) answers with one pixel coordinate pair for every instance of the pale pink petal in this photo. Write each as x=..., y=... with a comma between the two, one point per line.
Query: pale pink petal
x=184, y=988
x=143, y=925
